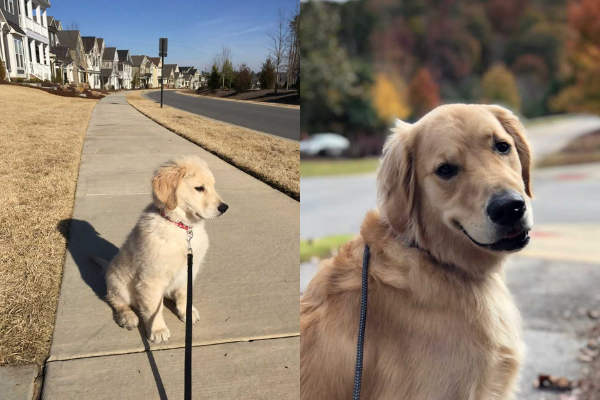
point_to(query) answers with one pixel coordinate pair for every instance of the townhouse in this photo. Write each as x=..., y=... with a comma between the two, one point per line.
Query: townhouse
x=24, y=39
x=157, y=61
x=145, y=70
x=109, y=72
x=125, y=69
x=93, y=56
x=72, y=54
x=170, y=72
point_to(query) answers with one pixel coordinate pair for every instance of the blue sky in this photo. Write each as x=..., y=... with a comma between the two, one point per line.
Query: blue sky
x=195, y=29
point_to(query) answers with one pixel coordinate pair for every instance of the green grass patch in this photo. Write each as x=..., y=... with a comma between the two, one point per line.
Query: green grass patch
x=323, y=247
x=338, y=167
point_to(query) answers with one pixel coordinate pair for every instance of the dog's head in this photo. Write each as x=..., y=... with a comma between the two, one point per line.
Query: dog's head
x=459, y=177
x=188, y=185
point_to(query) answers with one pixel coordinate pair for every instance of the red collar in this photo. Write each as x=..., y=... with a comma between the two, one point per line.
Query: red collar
x=179, y=224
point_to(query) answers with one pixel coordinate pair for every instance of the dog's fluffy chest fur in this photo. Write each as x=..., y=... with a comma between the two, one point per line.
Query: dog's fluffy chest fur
x=429, y=335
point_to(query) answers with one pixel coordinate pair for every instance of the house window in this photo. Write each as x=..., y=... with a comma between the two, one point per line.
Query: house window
x=19, y=53
x=37, y=54
x=11, y=6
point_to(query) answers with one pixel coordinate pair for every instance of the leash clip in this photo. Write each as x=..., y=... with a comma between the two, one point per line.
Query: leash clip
x=190, y=235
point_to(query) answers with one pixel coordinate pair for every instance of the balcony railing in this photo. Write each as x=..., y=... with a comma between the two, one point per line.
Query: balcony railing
x=32, y=25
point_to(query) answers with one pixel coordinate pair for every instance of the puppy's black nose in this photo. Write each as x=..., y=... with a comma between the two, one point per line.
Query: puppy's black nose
x=223, y=207
x=506, y=208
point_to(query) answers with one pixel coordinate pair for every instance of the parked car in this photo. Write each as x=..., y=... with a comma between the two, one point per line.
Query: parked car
x=324, y=144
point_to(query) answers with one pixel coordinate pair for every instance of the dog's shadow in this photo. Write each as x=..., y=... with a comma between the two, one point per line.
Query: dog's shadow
x=82, y=241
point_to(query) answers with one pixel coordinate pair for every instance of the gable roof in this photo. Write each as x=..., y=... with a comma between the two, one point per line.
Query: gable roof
x=100, y=42
x=138, y=60
x=16, y=27
x=68, y=38
x=88, y=43
x=123, y=56
x=109, y=54
x=184, y=69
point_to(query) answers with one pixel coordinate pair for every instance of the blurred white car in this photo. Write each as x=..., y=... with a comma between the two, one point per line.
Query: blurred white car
x=324, y=144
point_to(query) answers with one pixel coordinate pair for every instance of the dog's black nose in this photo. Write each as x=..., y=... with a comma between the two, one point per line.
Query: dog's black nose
x=223, y=207
x=506, y=208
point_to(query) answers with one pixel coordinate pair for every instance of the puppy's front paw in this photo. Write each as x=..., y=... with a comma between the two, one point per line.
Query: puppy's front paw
x=195, y=314
x=159, y=335
x=128, y=319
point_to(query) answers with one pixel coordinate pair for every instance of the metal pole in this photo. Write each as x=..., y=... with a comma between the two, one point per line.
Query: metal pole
x=162, y=82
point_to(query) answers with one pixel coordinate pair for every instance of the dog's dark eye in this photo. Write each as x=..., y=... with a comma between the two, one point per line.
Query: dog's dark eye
x=446, y=171
x=199, y=188
x=503, y=147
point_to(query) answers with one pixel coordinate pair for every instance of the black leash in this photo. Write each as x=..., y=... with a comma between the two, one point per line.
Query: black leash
x=361, y=326
x=187, y=394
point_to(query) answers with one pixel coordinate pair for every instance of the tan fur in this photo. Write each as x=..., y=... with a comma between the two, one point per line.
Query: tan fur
x=440, y=325
x=152, y=264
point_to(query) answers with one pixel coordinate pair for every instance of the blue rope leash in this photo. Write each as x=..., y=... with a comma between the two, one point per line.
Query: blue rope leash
x=361, y=326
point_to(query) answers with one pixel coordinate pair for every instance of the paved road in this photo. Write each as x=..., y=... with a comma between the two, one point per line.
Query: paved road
x=554, y=280
x=278, y=121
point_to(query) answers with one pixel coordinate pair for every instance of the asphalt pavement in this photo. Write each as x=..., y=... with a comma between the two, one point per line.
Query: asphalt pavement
x=278, y=121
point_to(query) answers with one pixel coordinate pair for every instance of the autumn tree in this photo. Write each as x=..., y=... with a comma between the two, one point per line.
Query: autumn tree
x=423, y=93
x=389, y=98
x=584, y=56
x=498, y=85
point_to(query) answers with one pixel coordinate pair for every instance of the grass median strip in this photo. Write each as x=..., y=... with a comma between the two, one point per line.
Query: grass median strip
x=322, y=167
x=272, y=160
x=323, y=247
x=41, y=137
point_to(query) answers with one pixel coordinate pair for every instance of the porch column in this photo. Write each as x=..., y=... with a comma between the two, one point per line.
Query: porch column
x=45, y=19
x=29, y=9
x=42, y=59
x=38, y=16
x=47, y=54
x=32, y=48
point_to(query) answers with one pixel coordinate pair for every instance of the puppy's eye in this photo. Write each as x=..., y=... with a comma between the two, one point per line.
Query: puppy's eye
x=199, y=188
x=446, y=171
x=503, y=147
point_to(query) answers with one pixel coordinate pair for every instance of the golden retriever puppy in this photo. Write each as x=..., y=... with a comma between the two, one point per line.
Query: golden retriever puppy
x=441, y=324
x=152, y=264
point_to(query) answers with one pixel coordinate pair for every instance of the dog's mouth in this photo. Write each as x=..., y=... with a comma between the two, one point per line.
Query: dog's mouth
x=513, y=240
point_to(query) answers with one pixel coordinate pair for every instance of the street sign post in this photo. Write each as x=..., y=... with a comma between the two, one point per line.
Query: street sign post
x=162, y=52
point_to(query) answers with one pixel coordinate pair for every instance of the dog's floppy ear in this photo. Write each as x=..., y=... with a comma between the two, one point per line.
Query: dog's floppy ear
x=165, y=184
x=396, y=178
x=515, y=128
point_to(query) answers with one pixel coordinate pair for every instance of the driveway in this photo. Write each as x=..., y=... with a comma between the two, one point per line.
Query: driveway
x=278, y=121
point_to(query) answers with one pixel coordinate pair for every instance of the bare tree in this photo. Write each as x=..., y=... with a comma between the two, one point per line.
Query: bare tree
x=278, y=42
x=73, y=26
x=293, y=67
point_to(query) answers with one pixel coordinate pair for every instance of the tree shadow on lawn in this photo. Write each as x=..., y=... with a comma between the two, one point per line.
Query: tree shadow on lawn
x=82, y=241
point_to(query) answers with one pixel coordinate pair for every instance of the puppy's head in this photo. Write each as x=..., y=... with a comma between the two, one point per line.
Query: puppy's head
x=188, y=185
x=459, y=177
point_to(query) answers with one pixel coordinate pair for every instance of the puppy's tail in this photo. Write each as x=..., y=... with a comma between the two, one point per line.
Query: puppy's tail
x=100, y=261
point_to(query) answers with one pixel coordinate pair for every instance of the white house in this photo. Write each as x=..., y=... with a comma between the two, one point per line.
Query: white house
x=93, y=56
x=125, y=69
x=109, y=73
x=24, y=38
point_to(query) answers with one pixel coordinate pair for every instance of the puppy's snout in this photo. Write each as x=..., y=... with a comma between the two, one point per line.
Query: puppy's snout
x=222, y=208
x=506, y=208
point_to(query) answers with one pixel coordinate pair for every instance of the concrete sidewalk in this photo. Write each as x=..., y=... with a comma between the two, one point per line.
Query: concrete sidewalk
x=247, y=340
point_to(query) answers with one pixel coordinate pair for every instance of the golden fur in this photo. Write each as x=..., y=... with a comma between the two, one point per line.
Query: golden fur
x=441, y=323
x=152, y=264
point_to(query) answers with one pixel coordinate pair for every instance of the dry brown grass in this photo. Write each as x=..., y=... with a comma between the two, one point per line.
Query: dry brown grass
x=41, y=137
x=272, y=160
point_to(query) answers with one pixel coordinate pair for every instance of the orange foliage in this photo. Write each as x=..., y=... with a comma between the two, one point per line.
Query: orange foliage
x=424, y=93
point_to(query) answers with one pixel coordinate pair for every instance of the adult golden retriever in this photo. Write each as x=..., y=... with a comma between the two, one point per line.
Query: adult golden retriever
x=441, y=324
x=152, y=264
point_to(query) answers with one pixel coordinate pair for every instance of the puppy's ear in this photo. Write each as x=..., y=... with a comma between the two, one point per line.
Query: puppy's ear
x=165, y=184
x=396, y=178
x=515, y=128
